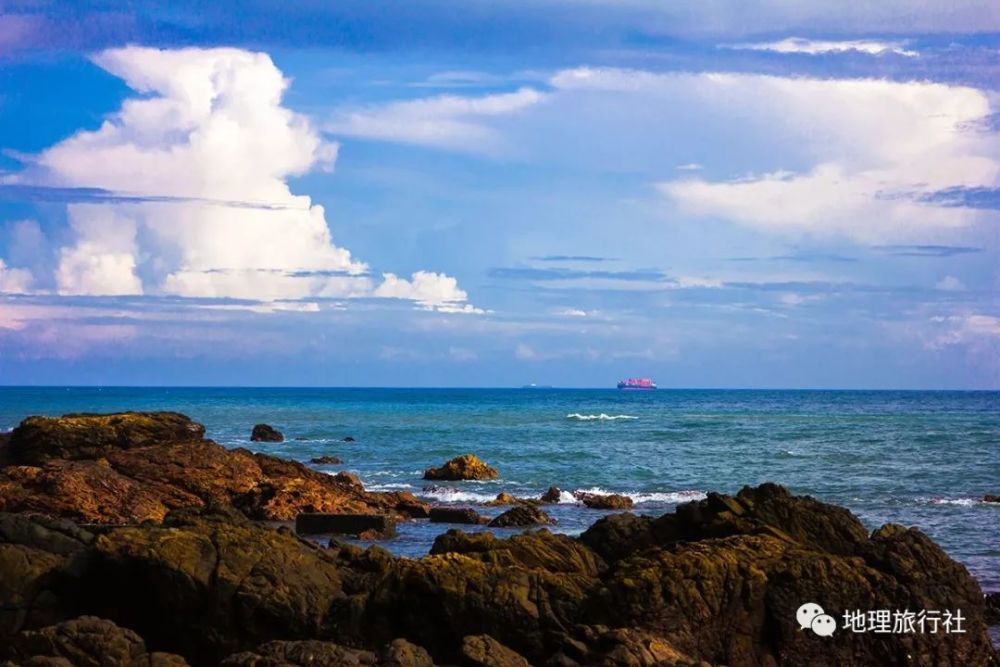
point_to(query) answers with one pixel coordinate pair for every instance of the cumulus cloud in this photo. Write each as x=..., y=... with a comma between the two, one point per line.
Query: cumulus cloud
x=14, y=281
x=820, y=46
x=445, y=121
x=431, y=290
x=201, y=158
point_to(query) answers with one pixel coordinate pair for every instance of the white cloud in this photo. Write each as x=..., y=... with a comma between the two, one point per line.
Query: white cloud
x=820, y=46
x=209, y=128
x=14, y=281
x=433, y=291
x=975, y=329
x=445, y=121
x=950, y=283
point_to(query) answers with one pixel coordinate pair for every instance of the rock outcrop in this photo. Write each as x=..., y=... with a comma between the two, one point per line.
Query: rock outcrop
x=134, y=467
x=266, y=433
x=522, y=515
x=467, y=466
x=605, y=501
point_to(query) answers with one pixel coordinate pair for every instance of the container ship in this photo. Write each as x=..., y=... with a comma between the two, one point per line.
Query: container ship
x=637, y=383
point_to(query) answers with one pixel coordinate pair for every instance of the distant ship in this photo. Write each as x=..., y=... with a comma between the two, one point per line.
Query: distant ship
x=637, y=383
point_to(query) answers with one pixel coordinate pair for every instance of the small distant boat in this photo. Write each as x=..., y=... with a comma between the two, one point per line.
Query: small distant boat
x=637, y=383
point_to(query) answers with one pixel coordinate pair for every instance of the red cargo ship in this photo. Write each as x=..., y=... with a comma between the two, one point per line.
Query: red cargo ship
x=637, y=383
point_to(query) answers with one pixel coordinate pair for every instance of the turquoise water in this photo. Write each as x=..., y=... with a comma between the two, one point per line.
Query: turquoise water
x=918, y=458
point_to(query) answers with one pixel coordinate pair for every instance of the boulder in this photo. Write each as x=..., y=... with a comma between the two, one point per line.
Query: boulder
x=326, y=460
x=552, y=495
x=266, y=433
x=602, y=501
x=522, y=515
x=86, y=641
x=454, y=515
x=91, y=436
x=134, y=481
x=484, y=651
x=368, y=525
x=467, y=466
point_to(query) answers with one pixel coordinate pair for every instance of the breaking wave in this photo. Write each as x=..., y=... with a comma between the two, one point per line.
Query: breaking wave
x=641, y=497
x=601, y=417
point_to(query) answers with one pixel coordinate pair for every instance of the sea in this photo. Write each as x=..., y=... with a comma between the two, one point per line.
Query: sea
x=917, y=458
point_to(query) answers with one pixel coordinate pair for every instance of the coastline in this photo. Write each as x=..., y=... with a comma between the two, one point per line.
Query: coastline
x=186, y=546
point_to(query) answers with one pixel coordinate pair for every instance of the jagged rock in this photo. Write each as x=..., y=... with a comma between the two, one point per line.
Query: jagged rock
x=371, y=526
x=326, y=460
x=143, y=479
x=86, y=642
x=552, y=495
x=484, y=651
x=266, y=433
x=522, y=515
x=467, y=466
x=454, y=515
x=91, y=436
x=605, y=501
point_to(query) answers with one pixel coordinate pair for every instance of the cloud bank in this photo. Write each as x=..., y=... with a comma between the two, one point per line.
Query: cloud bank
x=201, y=161
x=820, y=46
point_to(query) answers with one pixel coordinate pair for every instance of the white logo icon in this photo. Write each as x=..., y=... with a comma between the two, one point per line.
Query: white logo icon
x=812, y=617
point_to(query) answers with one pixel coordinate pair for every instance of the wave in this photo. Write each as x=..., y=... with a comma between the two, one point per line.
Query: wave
x=641, y=497
x=963, y=502
x=601, y=417
x=398, y=486
x=448, y=495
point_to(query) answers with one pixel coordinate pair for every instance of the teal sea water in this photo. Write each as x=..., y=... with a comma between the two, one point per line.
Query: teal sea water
x=922, y=459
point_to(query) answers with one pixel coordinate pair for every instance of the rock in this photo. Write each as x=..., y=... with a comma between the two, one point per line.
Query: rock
x=315, y=653
x=992, y=601
x=504, y=498
x=371, y=526
x=484, y=651
x=601, y=501
x=537, y=549
x=89, y=436
x=401, y=653
x=454, y=515
x=522, y=515
x=991, y=498
x=86, y=642
x=326, y=460
x=599, y=645
x=266, y=433
x=134, y=481
x=347, y=438
x=552, y=495
x=467, y=466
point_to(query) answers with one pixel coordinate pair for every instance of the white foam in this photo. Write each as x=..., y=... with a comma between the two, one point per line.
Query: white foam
x=964, y=502
x=601, y=417
x=447, y=495
x=398, y=486
x=641, y=497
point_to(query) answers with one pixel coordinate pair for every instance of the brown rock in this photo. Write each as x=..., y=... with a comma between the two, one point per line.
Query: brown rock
x=86, y=642
x=315, y=653
x=266, y=433
x=484, y=651
x=454, y=515
x=533, y=550
x=552, y=495
x=522, y=515
x=89, y=436
x=467, y=466
x=610, y=501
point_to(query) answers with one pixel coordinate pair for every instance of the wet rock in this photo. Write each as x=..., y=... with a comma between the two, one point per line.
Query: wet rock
x=522, y=515
x=484, y=651
x=454, y=515
x=347, y=438
x=601, y=501
x=134, y=481
x=552, y=495
x=88, y=436
x=86, y=641
x=266, y=433
x=991, y=498
x=326, y=460
x=505, y=498
x=370, y=526
x=992, y=602
x=467, y=466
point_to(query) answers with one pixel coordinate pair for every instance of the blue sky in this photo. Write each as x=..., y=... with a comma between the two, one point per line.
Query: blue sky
x=724, y=194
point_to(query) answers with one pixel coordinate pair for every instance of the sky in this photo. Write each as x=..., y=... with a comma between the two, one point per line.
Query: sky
x=710, y=193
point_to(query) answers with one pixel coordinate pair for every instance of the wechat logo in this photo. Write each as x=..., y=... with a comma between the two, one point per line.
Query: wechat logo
x=812, y=617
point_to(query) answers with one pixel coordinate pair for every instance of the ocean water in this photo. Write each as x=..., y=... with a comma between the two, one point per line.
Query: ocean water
x=921, y=459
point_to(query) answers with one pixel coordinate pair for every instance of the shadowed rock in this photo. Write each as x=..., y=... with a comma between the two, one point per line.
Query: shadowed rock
x=991, y=498
x=484, y=651
x=266, y=433
x=363, y=525
x=326, y=460
x=314, y=653
x=454, y=515
x=552, y=495
x=522, y=515
x=467, y=466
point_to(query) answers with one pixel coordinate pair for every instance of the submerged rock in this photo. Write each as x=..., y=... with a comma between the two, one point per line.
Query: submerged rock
x=454, y=515
x=266, y=433
x=347, y=438
x=326, y=460
x=522, y=515
x=467, y=466
x=605, y=501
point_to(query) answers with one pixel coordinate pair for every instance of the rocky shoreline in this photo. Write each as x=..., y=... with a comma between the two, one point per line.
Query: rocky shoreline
x=130, y=539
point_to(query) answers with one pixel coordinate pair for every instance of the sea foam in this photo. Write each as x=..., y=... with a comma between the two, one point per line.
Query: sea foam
x=641, y=497
x=601, y=417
